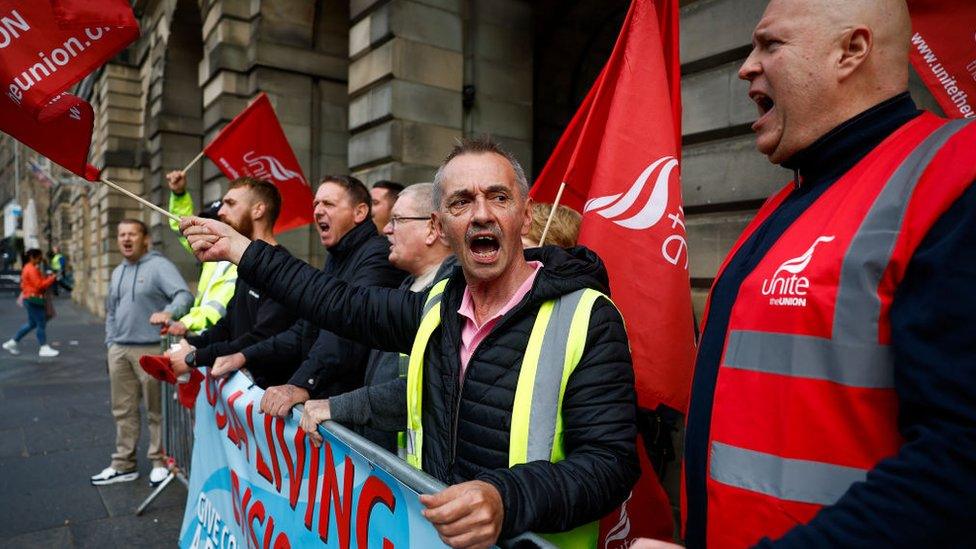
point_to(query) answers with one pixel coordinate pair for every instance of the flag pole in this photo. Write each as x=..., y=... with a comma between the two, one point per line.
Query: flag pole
x=545, y=231
x=192, y=162
x=140, y=200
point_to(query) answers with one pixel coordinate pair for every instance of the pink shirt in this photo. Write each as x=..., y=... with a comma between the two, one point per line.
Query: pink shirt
x=471, y=333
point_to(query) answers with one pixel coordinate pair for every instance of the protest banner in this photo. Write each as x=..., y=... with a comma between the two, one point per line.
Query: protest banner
x=39, y=59
x=257, y=481
x=253, y=144
x=943, y=52
x=619, y=160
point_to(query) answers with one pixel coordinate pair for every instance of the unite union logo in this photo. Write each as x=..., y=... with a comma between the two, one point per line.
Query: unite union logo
x=269, y=167
x=788, y=286
x=618, y=207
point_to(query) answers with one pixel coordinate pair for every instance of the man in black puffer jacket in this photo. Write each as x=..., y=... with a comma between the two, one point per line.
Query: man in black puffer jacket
x=317, y=363
x=473, y=360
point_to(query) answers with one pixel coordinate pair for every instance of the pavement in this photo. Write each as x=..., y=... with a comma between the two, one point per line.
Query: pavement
x=56, y=430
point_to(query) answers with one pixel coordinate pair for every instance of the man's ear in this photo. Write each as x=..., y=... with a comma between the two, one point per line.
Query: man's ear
x=527, y=220
x=360, y=212
x=432, y=234
x=437, y=224
x=856, y=46
x=258, y=210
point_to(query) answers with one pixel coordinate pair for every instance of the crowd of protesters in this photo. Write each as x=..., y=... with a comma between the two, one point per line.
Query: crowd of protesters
x=441, y=306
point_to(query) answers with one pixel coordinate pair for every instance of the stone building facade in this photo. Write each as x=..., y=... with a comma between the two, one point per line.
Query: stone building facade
x=381, y=89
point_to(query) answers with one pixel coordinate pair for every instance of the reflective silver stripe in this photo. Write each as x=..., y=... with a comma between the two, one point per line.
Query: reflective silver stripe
x=858, y=306
x=217, y=306
x=783, y=478
x=431, y=303
x=548, y=378
x=853, y=356
x=865, y=365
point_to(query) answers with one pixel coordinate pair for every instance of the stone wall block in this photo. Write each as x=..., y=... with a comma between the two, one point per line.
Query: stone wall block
x=710, y=237
x=407, y=174
x=371, y=67
x=500, y=43
x=287, y=22
x=503, y=119
x=374, y=144
x=728, y=170
x=714, y=27
x=514, y=14
x=498, y=80
x=425, y=24
x=428, y=65
x=716, y=99
x=427, y=144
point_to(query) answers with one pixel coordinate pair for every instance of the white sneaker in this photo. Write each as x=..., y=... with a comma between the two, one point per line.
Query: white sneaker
x=46, y=350
x=157, y=475
x=111, y=476
x=11, y=345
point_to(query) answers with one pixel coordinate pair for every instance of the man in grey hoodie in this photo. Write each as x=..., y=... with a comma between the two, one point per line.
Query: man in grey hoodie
x=145, y=290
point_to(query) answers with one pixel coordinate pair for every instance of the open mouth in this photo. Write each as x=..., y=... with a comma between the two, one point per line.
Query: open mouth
x=764, y=103
x=485, y=247
x=323, y=227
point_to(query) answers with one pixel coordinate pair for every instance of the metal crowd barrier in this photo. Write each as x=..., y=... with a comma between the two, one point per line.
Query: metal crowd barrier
x=177, y=432
x=177, y=427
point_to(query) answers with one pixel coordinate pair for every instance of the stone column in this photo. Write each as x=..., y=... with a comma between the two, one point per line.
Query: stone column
x=296, y=52
x=405, y=83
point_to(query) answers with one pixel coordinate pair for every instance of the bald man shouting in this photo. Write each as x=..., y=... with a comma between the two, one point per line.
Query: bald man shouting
x=834, y=397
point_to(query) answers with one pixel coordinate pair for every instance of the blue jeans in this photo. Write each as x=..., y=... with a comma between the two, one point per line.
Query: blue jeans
x=36, y=318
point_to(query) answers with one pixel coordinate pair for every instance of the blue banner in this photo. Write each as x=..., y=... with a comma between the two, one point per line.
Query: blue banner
x=257, y=481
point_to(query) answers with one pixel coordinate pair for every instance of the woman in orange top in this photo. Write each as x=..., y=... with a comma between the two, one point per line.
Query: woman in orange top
x=33, y=284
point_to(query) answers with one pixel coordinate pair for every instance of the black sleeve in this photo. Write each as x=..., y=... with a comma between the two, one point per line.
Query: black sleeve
x=218, y=332
x=601, y=463
x=284, y=347
x=335, y=361
x=381, y=318
x=924, y=495
x=382, y=407
x=272, y=318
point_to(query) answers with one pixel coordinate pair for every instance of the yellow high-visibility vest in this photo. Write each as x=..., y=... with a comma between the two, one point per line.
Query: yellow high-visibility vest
x=555, y=347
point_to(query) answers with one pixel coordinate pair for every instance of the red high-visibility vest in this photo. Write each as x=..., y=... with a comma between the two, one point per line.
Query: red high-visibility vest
x=804, y=403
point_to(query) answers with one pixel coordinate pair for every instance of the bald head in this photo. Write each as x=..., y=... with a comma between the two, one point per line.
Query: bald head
x=817, y=63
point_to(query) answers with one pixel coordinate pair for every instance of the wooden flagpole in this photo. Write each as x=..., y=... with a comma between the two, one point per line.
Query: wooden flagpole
x=559, y=195
x=140, y=200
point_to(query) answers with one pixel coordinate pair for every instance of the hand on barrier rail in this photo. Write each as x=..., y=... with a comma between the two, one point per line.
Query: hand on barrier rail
x=160, y=317
x=316, y=411
x=177, y=357
x=228, y=364
x=468, y=514
x=176, y=328
x=278, y=400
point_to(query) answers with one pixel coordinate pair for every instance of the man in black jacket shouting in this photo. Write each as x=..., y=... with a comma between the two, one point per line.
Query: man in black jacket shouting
x=327, y=364
x=520, y=391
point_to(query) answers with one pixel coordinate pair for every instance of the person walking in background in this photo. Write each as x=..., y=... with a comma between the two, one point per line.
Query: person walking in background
x=33, y=284
x=145, y=290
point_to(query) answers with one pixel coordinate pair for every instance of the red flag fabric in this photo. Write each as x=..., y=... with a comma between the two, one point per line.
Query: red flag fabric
x=253, y=144
x=619, y=158
x=64, y=138
x=944, y=52
x=622, y=174
x=39, y=59
x=89, y=13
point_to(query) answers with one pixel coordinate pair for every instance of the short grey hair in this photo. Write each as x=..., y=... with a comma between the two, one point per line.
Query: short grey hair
x=423, y=196
x=478, y=145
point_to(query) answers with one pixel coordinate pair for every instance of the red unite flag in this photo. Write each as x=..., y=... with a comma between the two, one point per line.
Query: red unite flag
x=619, y=158
x=943, y=51
x=253, y=144
x=39, y=59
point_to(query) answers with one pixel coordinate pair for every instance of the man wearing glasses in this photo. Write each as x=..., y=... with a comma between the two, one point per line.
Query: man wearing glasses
x=377, y=410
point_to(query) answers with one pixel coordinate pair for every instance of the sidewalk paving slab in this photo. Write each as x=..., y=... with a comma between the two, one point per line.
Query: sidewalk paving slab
x=56, y=430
